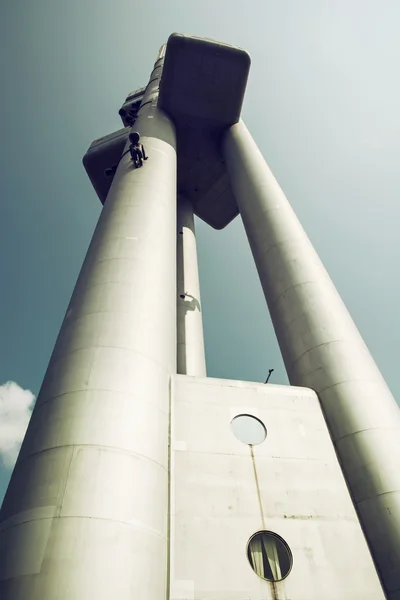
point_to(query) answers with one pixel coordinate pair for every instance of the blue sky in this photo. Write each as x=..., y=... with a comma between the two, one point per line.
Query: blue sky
x=322, y=103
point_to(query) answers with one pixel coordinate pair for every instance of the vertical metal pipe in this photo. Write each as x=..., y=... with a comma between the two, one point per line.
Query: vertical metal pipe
x=190, y=347
x=85, y=515
x=322, y=349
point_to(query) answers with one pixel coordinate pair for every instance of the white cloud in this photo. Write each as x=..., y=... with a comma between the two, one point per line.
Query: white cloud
x=15, y=411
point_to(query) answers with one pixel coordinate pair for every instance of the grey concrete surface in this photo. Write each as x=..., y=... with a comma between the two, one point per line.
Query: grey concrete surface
x=98, y=506
x=190, y=339
x=322, y=349
x=85, y=515
x=291, y=484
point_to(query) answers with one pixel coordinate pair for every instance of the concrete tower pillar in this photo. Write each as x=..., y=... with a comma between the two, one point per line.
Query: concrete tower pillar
x=191, y=356
x=322, y=349
x=85, y=515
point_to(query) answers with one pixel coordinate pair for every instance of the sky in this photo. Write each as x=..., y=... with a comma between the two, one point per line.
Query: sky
x=322, y=103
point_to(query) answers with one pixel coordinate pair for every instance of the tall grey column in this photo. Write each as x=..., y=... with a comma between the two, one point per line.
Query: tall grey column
x=85, y=515
x=323, y=350
x=191, y=356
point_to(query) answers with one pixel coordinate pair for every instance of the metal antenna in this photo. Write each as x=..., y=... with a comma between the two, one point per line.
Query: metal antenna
x=269, y=375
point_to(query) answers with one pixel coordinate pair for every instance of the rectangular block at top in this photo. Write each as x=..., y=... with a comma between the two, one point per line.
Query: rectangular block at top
x=204, y=79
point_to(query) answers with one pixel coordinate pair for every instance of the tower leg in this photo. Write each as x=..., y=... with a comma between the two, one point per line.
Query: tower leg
x=85, y=515
x=191, y=356
x=322, y=349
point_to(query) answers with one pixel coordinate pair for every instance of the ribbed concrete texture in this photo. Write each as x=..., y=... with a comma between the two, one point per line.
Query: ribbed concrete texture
x=191, y=357
x=85, y=515
x=323, y=350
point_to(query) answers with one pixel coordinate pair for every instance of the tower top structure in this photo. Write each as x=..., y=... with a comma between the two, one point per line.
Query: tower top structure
x=202, y=88
x=133, y=479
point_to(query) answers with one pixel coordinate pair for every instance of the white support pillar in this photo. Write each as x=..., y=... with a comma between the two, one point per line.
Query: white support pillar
x=190, y=348
x=322, y=349
x=85, y=515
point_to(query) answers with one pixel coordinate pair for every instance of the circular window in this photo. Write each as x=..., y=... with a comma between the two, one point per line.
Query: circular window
x=248, y=429
x=269, y=556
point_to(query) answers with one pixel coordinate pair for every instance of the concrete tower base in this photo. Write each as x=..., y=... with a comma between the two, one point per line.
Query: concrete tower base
x=224, y=491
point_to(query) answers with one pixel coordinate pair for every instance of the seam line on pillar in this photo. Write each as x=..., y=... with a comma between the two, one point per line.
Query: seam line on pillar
x=350, y=338
x=86, y=289
x=116, y=312
x=289, y=240
x=365, y=379
x=135, y=204
x=275, y=300
x=120, y=451
x=89, y=518
x=98, y=346
x=359, y=502
x=268, y=186
x=128, y=259
x=127, y=283
x=343, y=437
x=40, y=403
x=65, y=481
x=327, y=343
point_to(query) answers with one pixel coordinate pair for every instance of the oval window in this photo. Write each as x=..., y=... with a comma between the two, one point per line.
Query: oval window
x=269, y=556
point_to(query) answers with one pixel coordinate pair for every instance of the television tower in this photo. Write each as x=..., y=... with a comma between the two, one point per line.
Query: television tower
x=139, y=477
